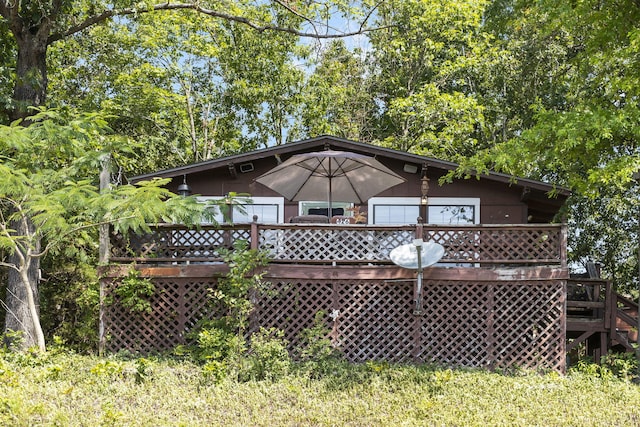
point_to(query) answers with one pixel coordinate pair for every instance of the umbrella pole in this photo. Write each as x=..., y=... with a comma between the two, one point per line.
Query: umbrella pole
x=329, y=210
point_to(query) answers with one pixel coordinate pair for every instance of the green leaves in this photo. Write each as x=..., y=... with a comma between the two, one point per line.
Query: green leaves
x=48, y=175
x=425, y=71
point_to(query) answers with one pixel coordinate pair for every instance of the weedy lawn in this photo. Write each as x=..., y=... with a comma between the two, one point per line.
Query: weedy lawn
x=73, y=390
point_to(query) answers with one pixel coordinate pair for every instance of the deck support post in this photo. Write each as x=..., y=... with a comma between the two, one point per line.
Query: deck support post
x=103, y=255
x=418, y=288
x=254, y=232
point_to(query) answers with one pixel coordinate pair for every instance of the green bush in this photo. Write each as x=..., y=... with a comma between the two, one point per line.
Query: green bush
x=613, y=365
x=134, y=292
x=219, y=344
x=268, y=358
x=317, y=352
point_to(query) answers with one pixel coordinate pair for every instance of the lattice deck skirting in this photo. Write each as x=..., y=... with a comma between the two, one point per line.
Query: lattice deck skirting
x=494, y=320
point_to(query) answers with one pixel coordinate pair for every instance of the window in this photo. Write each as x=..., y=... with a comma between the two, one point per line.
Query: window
x=270, y=210
x=393, y=210
x=453, y=211
x=440, y=210
x=322, y=208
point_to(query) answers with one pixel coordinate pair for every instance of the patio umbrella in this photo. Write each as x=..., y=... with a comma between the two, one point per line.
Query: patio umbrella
x=330, y=175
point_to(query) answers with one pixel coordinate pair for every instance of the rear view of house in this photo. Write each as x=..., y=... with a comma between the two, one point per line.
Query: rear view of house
x=497, y=297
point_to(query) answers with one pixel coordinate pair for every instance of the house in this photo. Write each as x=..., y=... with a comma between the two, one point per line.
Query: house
x=493, y=199
x=496, y=298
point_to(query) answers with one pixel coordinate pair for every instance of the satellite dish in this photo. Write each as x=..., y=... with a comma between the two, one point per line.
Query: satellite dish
x=407, y=255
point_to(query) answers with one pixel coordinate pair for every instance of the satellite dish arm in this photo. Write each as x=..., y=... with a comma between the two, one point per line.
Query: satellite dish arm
x=418, y=290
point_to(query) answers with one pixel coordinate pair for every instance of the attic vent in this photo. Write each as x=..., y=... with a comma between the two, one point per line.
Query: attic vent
x=246, y=167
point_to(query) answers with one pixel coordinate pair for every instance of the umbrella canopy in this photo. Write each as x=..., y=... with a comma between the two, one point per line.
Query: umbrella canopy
x=330, y=175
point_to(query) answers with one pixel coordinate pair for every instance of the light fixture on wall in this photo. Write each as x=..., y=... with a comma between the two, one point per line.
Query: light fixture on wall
x=409, y=168
x=424, y=186
x=184, y=189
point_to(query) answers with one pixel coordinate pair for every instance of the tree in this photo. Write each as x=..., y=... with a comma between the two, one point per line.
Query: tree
x=34, y=26
x=424, y=80
x=190, y=89
x=337, y=97
x=48, y=203
x=579, y=74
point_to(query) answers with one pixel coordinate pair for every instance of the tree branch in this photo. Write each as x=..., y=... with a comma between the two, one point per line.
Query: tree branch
x=110, y=13
x=9, y=9
x=62, y=236
x=9, y=265
x=299, y=15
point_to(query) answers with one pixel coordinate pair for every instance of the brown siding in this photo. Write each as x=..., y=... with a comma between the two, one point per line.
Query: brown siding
x=501, y=203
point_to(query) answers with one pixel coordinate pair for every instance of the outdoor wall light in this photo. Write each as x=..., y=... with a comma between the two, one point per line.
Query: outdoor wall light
x=183, y=189
x=424, y=185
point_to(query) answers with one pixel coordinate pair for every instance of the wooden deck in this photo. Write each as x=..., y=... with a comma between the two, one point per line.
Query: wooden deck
x=468, y=245
x=498, y=297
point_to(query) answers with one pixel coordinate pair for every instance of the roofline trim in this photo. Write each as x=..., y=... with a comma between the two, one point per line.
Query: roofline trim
x=300, y=145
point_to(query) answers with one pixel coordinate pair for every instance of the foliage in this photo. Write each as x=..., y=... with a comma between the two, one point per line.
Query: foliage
x=68, y=389
x=568, y=107
x=317, y=352
x=234, y=291
x=133, y=292
x=622, y=366
x=424, y=68
x=337, y=98
x=221, y=343
x=50, y=203
x=70, y=300
x=216, y=343
x=268, y=357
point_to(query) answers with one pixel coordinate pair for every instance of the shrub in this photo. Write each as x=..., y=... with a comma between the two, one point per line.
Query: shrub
x=268, y=356
x=623, y=366
x=134, y=292
x=218, y=343
x=317, y=352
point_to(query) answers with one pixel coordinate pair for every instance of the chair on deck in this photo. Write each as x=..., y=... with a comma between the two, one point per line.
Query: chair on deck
x=309, y=219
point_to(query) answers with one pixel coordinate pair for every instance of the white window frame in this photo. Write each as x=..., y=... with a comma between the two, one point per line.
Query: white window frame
x=325, y=203
x=416, y=201
x=457, y=201
x=257, y=200
x=406, y=201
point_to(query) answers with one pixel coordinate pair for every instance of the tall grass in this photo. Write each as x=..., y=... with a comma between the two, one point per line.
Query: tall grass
x=72, y=390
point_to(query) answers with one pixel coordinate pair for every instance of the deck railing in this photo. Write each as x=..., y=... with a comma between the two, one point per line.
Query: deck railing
x=465, y=245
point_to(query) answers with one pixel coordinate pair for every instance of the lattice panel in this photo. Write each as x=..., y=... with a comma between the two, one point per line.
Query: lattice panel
x=519, y=244
x=454, y=325
x=292, y=307
x=538, y=340
x=176, y=307
x=464, y=245
x=503, y=244
x=332, y=245
x=375, y=321
x=460, y=245
x=177, y=243
x=464, y=323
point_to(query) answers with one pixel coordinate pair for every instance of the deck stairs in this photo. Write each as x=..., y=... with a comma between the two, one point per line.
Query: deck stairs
x=625, y=333
x=599, y=318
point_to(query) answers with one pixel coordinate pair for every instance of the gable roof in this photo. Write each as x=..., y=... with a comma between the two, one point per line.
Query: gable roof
x=327, y=141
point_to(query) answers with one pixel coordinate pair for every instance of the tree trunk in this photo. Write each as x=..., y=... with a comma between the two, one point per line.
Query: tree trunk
x=23, y=313
x=31, y=74
x=30, y=90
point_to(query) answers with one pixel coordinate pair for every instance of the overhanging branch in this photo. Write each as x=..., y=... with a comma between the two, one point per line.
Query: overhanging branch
x=110, y=13
x=74, y=230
